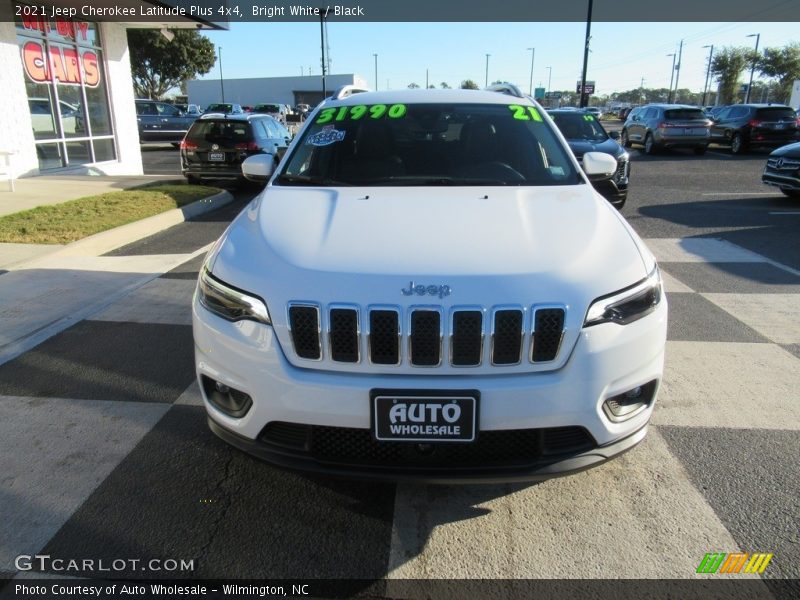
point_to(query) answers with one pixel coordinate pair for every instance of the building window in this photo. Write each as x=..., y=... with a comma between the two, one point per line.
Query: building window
x=67, y=92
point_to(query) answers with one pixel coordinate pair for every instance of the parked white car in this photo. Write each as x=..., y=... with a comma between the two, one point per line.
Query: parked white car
x=430, y=288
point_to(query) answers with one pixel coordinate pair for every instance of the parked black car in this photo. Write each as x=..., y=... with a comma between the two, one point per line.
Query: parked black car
x=161, y=122
x=216, y=145
x=783, y=170
x=584, y=133
x=742, y=126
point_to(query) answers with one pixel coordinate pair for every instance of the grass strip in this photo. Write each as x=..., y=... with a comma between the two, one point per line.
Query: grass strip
x=76, y=219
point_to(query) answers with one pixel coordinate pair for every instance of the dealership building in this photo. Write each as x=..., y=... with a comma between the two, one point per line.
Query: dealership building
x=258, y=90
x=67, y=101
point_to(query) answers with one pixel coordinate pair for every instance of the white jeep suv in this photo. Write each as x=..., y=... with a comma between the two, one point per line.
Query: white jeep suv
x=429, y=288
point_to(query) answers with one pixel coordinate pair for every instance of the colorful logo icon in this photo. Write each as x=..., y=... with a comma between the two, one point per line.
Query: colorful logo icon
x=735, y=562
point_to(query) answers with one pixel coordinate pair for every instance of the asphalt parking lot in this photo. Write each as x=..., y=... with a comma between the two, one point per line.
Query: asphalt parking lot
x=109, y=406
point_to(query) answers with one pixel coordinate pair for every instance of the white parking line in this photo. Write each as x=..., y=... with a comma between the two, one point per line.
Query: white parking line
x=738, y=194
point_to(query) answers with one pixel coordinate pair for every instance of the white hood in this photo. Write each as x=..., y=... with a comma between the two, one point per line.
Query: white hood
x=489, y=245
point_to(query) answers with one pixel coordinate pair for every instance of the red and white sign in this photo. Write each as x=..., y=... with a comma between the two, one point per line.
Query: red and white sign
x=66, y=65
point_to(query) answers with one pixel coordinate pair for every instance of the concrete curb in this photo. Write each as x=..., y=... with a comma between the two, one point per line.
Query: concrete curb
x=106, y=241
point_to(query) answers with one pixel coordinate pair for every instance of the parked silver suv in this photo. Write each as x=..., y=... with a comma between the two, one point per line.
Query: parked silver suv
x=658, y=126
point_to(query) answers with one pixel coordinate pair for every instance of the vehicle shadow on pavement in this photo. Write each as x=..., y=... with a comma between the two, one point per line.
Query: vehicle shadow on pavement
x=764, y=224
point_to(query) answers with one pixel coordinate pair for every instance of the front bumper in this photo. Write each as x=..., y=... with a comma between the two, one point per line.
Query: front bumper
x=544, y=468
x=782, y=180
x=607, y=360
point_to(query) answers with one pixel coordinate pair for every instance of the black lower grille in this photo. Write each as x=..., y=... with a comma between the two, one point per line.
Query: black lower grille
x=466, y=344
x=304, y=323
x=384, y=337
x=548, y=329
x=507, y=337
x=288, y=435
x=426, y=338
x=560, y=440
x=357, y=447
x=344, y=334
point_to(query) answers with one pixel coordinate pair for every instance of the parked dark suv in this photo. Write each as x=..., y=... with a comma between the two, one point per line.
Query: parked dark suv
x=161, y=122
x=742, y=126
x=216, y=145
x=657, y=126
x=584, y=133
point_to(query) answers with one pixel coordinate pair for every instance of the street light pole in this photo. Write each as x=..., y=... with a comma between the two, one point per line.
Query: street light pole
x=486, y=84
x=549, y=77
x=221, y=83
x=530, y=86
x=376, y=71
x=584, y=99
x=753, y=67
x=671, y=77
x=708, y=72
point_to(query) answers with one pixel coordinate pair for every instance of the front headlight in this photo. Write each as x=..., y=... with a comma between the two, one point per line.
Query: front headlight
x=629, y=305
x=230, y=303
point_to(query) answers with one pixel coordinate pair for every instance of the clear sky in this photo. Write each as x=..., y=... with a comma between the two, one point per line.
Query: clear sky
x=621, y=53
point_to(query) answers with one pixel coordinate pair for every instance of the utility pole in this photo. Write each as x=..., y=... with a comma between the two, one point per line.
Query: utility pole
x=426, y=79
x=586, y=55
x=530, y=85
x=486, y=84
x=708, y=72
x=549, y=77
x=753, y=67
x=322, y=46
x=678, y=70
x=221, y=82
x=671, y=77
x=376, y=71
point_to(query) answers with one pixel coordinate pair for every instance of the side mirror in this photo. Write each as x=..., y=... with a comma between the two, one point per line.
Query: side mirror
x=598, y=165
x=258, y=168
x=614, y=135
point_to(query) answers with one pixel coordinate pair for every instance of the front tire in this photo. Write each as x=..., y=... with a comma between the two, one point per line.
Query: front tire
x=700, y=150
x=791, y=193
x=737, y=144
x=192, y=180
x=626, y=142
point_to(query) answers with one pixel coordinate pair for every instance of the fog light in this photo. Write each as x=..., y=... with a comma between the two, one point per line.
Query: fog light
x=228, y=400
x=628, y=404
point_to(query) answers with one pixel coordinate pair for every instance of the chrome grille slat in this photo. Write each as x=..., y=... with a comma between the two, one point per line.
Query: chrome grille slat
x=344, y=334
x=548, y=331
x=425, y=337
x=384, y=336
x=304, y=326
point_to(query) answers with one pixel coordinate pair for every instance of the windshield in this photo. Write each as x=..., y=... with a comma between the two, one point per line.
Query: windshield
x=579, y=126
x=223, y=108
x=429, y=144
x=266, y=108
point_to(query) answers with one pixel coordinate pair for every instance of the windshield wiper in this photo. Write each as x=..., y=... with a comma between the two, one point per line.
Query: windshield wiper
x=309, y=180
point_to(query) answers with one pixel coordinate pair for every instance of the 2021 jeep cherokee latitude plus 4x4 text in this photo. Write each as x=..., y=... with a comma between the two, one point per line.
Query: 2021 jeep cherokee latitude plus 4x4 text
x=429, y=288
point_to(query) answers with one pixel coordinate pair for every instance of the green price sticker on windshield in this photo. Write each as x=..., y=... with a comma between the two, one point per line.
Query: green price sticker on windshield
x=361, y=111
x=588, y=118
x=525, y=113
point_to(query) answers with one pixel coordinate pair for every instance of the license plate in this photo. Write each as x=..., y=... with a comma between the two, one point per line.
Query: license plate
x=409, y=416
x=216, y=156
x=780, y=126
